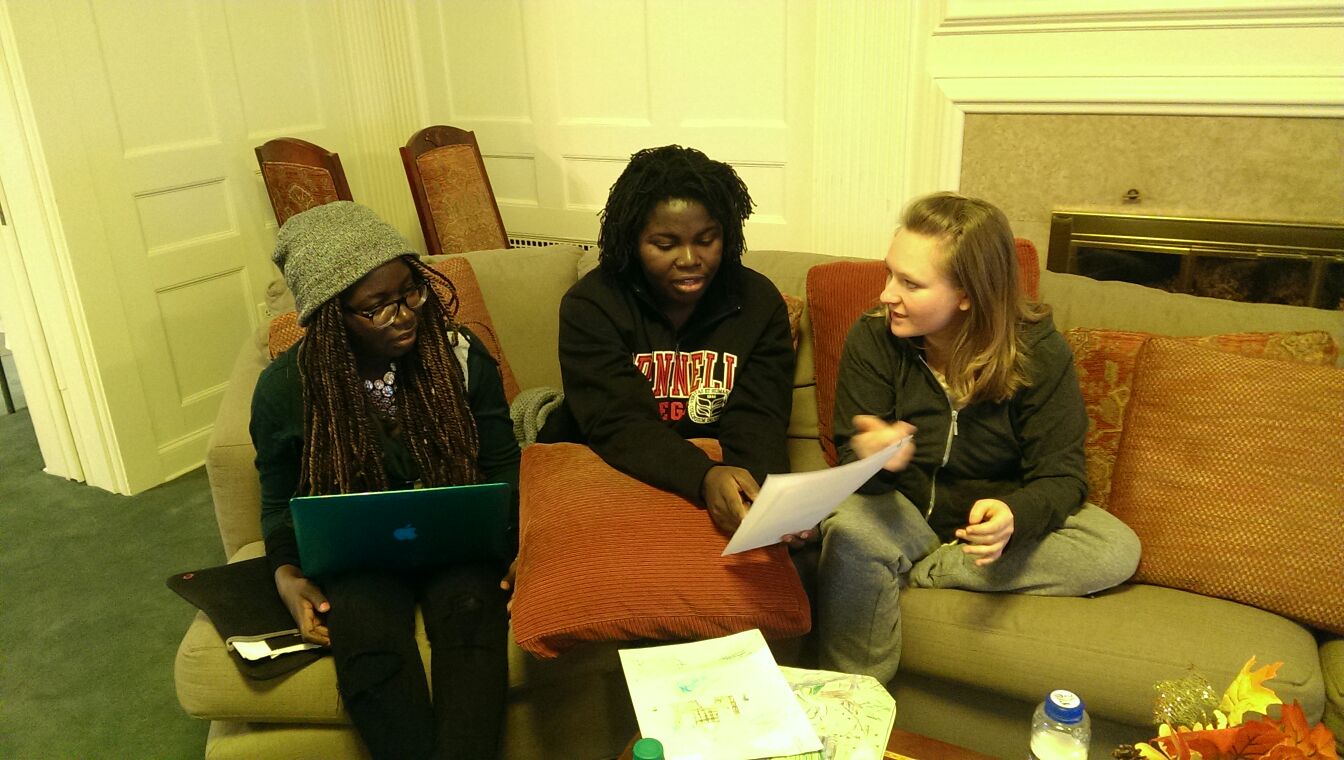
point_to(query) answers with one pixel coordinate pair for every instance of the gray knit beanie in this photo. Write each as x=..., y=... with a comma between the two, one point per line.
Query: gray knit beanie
x=328, y=248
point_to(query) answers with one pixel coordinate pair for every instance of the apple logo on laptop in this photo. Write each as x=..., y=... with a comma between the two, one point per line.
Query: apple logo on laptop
x=405, y=533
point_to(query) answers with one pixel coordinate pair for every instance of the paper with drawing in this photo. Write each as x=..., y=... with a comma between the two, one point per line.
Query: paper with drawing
x=718, y=699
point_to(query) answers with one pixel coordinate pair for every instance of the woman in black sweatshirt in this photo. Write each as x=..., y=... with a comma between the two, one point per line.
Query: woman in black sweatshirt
x=671, y=338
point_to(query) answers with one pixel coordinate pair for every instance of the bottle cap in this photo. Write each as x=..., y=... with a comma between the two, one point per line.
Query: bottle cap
x=1064, y=706
x=647, y=749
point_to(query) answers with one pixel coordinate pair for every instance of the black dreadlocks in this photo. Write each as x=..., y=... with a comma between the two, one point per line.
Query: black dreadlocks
x=342, y=452
x=658, y=174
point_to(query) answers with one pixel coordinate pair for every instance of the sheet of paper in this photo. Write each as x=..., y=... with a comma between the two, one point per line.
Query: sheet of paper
x=717, y=699
x=797, y=501
x=260, y=650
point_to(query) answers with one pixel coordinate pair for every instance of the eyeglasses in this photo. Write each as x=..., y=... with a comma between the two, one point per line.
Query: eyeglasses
x=385, y=314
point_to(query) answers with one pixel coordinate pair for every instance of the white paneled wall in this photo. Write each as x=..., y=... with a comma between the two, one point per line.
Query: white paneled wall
x=863, y=64
x=379, y=66
x=561, y=93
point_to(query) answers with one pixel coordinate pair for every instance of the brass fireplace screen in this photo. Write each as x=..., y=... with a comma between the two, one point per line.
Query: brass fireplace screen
x=1268, y=262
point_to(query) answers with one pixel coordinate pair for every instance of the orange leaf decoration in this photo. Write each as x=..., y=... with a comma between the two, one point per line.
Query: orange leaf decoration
x=1287, y=738
x=1174, y=746
x=1313, y=742
x=1208, y=746
x=1255, y=740
x=1247, y=692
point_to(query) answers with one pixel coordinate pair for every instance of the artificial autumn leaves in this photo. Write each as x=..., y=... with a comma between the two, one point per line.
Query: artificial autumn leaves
x=1231, y=736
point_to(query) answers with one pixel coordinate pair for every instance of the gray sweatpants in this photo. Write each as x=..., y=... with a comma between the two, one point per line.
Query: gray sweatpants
x=873, y=545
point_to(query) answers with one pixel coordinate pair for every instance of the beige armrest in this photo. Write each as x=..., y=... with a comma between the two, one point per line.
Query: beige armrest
x=229, y=456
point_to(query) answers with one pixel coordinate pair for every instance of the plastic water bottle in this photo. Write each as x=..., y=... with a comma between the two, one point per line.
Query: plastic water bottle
x=1060, y=729
x=647, y=749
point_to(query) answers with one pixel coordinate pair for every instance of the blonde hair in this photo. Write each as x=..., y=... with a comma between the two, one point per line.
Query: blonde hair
x=988, y=357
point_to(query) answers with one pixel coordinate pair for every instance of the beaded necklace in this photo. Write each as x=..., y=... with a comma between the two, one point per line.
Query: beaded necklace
x=382, y=391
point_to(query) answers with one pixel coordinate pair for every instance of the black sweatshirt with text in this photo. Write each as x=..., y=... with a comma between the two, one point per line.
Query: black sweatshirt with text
x=636, y=389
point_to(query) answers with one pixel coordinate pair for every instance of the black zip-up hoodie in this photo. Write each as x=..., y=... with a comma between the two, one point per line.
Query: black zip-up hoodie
x=1026, y=451
x=637, y=389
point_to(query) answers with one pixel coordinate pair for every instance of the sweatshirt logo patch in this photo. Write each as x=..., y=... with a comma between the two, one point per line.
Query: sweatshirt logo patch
x=689, y=383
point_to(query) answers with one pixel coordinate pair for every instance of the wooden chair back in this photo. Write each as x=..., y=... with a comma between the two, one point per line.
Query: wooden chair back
x=452, y=193
x=300, y=175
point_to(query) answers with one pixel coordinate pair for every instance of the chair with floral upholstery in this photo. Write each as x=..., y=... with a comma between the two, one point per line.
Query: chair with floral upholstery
x=452, y=192
x=300, y=175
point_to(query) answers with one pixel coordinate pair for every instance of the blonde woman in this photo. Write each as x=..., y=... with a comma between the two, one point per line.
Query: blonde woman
x=991, y=495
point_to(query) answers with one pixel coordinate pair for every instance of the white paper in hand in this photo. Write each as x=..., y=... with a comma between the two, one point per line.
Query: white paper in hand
x=797, y=501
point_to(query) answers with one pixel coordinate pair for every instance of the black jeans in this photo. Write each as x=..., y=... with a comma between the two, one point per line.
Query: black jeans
x=378, y=667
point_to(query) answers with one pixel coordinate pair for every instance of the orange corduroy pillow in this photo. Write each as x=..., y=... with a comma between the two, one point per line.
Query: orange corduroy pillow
x=837, y=293
x=1230, y=473
x=285, y=331
x=604, y=557
x=1105, y=360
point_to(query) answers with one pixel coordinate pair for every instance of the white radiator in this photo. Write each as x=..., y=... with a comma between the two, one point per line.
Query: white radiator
x=539, y=241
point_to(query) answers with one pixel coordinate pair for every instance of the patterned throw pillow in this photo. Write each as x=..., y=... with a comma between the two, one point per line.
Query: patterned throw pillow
x=1231, y=475
x=604, y=557
x=838, y=293
x=794, y=305
x=285, y=331
x=1105, y=359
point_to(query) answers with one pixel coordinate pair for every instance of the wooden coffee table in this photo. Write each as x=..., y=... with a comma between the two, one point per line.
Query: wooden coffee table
x=902, y=744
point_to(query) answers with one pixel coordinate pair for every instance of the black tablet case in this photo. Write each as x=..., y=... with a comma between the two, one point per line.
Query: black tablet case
x=241, y=600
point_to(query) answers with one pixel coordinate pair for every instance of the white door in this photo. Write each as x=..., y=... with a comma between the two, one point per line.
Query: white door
x=148, y=114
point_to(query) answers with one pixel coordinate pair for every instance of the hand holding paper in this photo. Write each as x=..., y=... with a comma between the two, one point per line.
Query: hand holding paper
x=794, y=502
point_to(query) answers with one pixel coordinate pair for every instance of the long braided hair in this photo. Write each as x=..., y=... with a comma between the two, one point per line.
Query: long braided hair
x=342, y=452
x=658, y=174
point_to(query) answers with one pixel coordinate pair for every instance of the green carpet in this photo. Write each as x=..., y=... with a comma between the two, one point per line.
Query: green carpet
x=88, y=631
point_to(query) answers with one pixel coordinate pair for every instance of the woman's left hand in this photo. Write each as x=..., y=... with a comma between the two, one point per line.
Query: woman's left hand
x=989, y=527
x=506, y=583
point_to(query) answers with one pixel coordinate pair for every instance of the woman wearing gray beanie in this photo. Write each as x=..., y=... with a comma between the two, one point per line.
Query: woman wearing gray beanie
x=386, y=391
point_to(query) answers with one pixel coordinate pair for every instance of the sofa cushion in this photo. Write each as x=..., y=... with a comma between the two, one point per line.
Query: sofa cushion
x=1111, y=648
x=523, y=288
x=472, y=314
x=285, y=331
x=1078, y=301
x=209, y=684
x=1230, y=472
x=605, y=557
x=837, y=293
x=1105, y=363
x=1332, y=668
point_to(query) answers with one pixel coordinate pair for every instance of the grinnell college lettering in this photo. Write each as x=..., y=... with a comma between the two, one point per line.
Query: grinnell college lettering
x=691, y=383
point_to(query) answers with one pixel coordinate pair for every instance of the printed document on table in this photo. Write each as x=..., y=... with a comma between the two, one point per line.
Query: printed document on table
x=717, y=699
x=796, y=501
